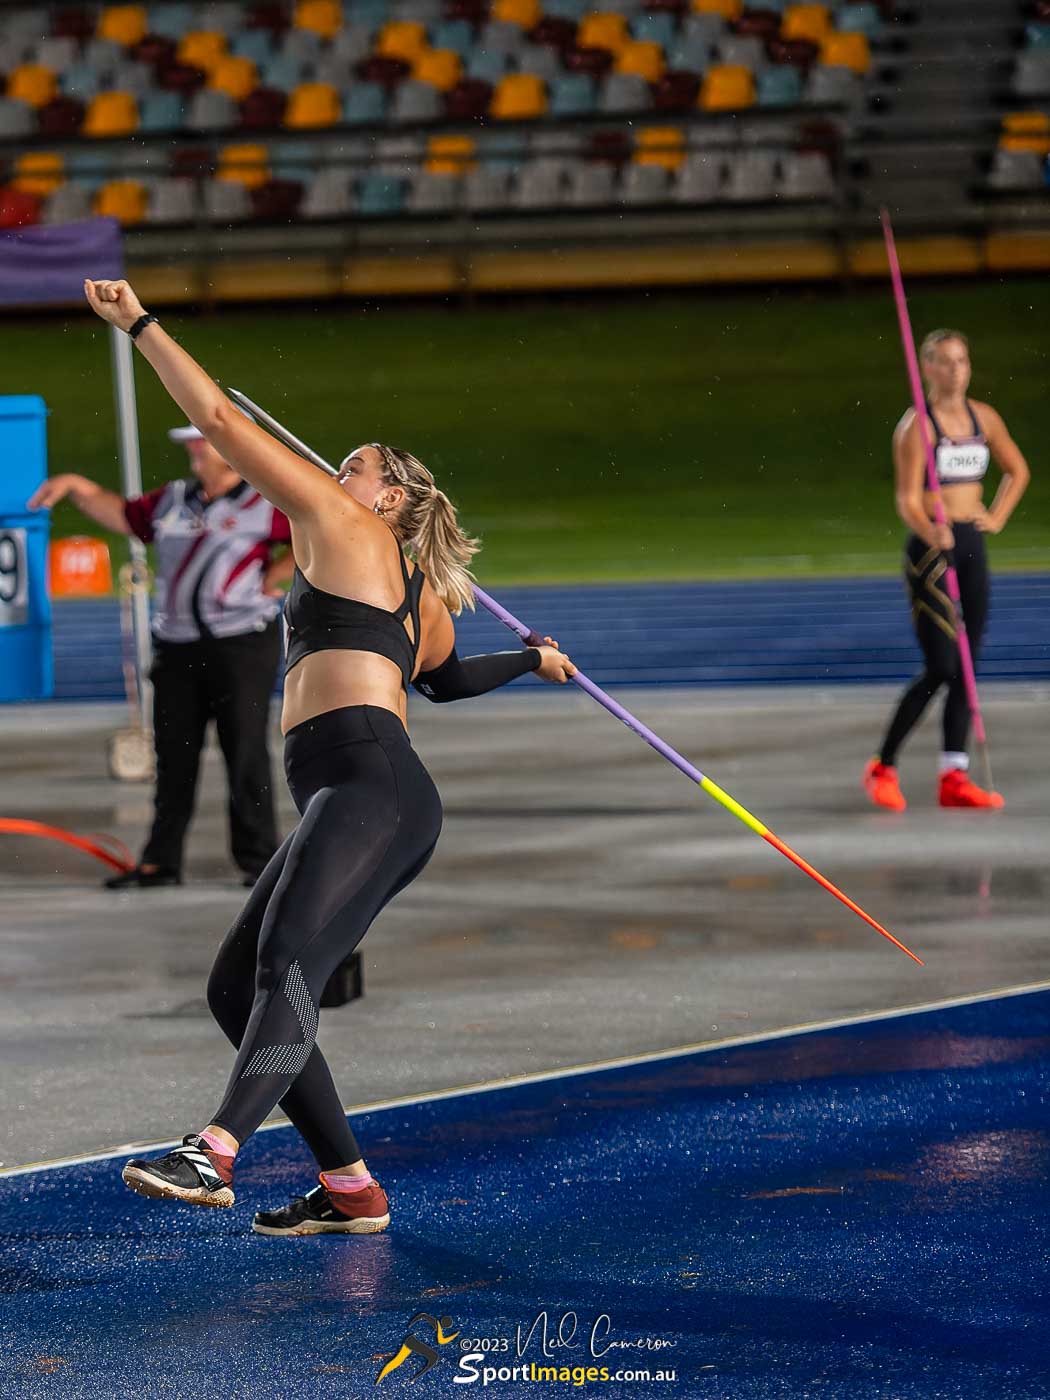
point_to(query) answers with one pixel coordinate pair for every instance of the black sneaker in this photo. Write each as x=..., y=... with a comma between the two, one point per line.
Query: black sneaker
x=136, y=878
x=312, y=1214
x=192, y=1172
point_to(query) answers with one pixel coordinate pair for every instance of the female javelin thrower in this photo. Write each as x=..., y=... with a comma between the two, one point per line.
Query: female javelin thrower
x=966, y=435
x=361, y=627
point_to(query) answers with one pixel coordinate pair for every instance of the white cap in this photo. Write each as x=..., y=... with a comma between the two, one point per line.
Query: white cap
x=189, y=433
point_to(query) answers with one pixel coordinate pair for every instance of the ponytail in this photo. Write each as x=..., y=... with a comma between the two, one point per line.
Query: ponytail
x=444, y=551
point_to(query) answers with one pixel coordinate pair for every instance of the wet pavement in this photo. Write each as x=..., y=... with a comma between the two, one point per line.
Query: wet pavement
x=585, y=902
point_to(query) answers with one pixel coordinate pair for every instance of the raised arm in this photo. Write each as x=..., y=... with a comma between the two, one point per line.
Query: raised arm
x=289, y=483
x=106, y=508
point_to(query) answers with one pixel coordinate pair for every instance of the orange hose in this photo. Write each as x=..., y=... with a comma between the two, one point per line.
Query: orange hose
x=15, y=826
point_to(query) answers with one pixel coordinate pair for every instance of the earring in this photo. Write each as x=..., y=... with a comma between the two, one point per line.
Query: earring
x=377, y=510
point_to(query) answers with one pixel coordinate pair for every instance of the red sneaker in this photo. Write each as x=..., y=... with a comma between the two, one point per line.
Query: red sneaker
x=881, y=785
x=366, y=1211
x=957, y=791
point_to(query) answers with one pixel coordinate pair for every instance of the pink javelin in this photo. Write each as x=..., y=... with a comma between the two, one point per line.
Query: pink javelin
x=951, y=578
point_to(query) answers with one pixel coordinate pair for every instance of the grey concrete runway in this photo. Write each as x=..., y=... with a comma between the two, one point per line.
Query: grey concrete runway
x=585, y=902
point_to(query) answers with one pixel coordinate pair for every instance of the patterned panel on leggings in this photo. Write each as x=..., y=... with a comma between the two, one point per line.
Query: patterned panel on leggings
x=289, y=1059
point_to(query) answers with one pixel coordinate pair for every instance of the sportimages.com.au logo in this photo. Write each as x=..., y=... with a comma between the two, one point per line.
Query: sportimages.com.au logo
x=493, y=1360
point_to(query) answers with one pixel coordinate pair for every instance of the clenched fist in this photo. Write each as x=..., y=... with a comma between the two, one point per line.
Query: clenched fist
x=115, y=302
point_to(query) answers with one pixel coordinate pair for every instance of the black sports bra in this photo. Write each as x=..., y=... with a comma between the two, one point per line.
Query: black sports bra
x=320, y=621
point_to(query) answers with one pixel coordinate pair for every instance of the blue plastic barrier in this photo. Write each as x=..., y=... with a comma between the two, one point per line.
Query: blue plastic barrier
x=26, y=671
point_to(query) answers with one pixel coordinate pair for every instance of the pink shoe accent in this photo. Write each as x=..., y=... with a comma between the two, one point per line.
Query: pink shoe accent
x=333, y=1182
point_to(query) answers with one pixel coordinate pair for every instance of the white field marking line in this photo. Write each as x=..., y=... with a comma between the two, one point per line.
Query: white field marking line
x=591, y=1067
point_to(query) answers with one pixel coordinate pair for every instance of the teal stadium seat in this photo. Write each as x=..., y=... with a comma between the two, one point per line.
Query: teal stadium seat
x=654, y=29
x=573, y=95
x=364, y=104
x=691, y=54
x=454, y=34
x=294, y=160
x=779, y=86
x=859, y=19
x=489, y=65
x=1037, y=36
x=223, y=16
x=567, y=9
x=282, y=72
x=160, y=111
x=380, y=196
x=81, y=81
x=172, y=21
x=502, y=150
x=255, y=44
x=17, y=118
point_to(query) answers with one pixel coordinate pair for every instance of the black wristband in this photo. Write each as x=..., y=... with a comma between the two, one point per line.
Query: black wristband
x=140, y=325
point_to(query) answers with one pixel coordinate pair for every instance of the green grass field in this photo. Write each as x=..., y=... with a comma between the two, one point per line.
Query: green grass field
x=707, y=435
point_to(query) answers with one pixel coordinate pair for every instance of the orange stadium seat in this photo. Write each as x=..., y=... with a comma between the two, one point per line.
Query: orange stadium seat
x=125, y=200
x=810, y=22
x=234, y=76
x=643, y=57
x=450, y=155
x=846, y=50
x=527, y=13
x=39, y=172
x=518, y=97
x=728, y=9
x=33, y=84
x=1025, y=131
x=313, y=105
x=124, y=24
x=111, y=114
x=441, y=68
x=324, y=17
x=727, y=87
x=660, y=145
x=402, y=38
x=603, y=32
x=202, y=48
x=245, y=165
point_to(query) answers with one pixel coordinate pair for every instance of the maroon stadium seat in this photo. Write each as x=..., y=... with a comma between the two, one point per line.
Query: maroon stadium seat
x=180, y=77
x=72, y=22
x=388, y=72
x=763, y=23
x=594, y=62
x=676, y=91
x=192, y=161
x=61, y=118
x=613, y=146
x=277, y=201
x=469, y=100
x=800, y=52
x=263, y=109
x=155, y=49
x=269, y=16
x=473, y=10
x=554, y=32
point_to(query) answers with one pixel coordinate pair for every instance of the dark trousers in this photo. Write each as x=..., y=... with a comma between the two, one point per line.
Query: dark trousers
x=229, y=680
x=934, y=620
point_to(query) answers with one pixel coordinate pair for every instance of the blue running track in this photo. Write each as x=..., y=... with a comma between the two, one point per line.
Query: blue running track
x=858, y=1211
x=803, y=632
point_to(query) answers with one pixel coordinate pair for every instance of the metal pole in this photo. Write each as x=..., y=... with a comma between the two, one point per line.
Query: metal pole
x=122, y=355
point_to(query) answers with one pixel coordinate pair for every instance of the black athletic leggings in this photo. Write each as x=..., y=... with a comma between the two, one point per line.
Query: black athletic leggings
x=932, y=615
x=371, y=817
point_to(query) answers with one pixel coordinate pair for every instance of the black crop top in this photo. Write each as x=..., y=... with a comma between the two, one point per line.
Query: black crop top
x=320, y=621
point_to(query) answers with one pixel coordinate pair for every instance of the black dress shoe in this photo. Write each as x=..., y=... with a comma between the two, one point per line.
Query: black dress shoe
x=143, y=879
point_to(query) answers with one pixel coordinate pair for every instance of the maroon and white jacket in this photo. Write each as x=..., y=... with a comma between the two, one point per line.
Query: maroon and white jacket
x=210, y=558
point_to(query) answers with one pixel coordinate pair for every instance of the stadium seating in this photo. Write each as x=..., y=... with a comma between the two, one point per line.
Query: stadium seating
x=236, y=72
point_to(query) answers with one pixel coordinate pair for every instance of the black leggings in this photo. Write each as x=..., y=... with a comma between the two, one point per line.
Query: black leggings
x=371, y=817
x=932, y=615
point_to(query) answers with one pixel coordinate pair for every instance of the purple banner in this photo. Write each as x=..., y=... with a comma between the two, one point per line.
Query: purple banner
x=46, y=265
